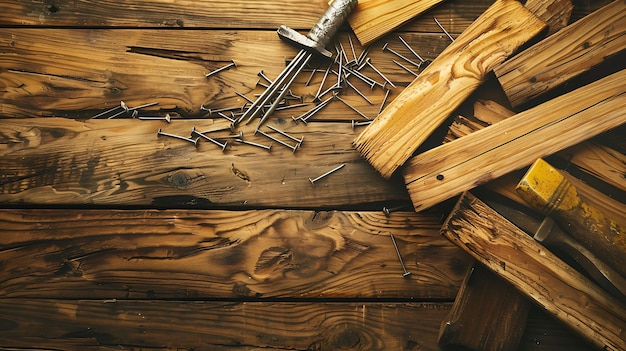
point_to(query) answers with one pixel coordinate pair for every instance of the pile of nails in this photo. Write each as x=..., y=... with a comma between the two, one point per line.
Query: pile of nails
x=335, y=80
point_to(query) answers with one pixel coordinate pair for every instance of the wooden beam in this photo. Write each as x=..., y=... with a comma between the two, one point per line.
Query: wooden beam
x=421, y=107
x=537, y=273
x=564, y=55
x=516, y=142
x=124, y=163
x=224, y=254
x=373, y=19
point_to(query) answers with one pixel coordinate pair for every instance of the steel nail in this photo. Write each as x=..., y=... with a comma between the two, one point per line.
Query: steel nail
x=405, y=68
x=406, y=273
x=193, y=141
x=382, y=104
x=231, y=127
x=106, y=112
x=444, y=30
x=411, y=49
x=353, y=108
x=387, y=48
x=299, y=141
x=222, y=145
x=360, y=123
x=262, y=75
x=359, y=92
x=367, y=62
x=146, y=118
x=266, y=147
x=228, y=66
x=294, y=148
x=327, y=173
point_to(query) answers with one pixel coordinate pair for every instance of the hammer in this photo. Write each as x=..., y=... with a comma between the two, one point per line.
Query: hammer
x=313, y=43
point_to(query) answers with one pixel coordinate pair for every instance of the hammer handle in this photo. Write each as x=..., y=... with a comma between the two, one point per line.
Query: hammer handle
x=549, y=192
x=334, y=17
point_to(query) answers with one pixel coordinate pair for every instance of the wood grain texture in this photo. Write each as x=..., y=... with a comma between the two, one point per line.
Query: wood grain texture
x=564, y=55
x=537, y=273
x=98, y=68
x=124, y=162
x=516, y=142
x=421, y=107
x=225, y=254
x=218, y=326
x=373, y=19
x=555, y=13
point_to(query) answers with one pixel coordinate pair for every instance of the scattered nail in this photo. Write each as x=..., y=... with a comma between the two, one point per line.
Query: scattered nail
x=327, y=173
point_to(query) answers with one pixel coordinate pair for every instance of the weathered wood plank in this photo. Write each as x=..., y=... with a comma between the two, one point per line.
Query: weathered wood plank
x=537, y=273
x=99, y=68
x=516, y=142
x=124, y=162
x=564, y=55
x=220, y=326
x=225, y=254
x=455, y=15
x=412, y=117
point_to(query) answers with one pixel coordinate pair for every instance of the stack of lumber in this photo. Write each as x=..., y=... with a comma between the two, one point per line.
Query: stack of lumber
x=115, y=237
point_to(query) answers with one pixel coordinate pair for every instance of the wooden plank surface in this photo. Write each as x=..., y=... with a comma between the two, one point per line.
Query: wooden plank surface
x=465, y=163
x=220, y=326
x=124, y=162
x=455, y=15
x=424, y=105
x=568, y=53
x=98, y=68
x=225, y=254
x=537, y=273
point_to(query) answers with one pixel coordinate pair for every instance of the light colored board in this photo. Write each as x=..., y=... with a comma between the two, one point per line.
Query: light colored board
x=125, y=163
x=219, y=326
x=564, y=55
x=411, y=118
x=99, y=68
x=516, y=142
x=175, y=254
x=373, y=19
x=537, y=273
x=555, y=13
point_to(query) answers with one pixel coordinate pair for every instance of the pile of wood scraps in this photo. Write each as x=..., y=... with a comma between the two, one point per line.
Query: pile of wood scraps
x=487, y=151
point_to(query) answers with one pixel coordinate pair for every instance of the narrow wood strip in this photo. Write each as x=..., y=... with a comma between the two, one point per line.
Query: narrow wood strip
x=220, y=326
x=225, y=254
x=410, y=119
x=516, y=142
x=125, y=162
x=536, y=272
x=562, y=56
x=373, y=19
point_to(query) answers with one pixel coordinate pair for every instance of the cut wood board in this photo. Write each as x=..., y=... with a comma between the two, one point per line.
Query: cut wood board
x=537, y=273
x=373, y=19
x=445, y=171
x=555, y=13
x=564, y=55
x=422, y=106
x=217, y=254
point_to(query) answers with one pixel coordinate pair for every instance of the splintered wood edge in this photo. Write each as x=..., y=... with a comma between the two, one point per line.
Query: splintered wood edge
x=421, y=107
x=372, y=19
x=536, y=272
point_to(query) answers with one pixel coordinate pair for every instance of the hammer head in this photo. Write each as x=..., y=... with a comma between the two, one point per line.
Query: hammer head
x=300, y=41
x=321, y=34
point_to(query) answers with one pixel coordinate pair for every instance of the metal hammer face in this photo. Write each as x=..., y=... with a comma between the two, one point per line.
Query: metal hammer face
x=321, y=34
